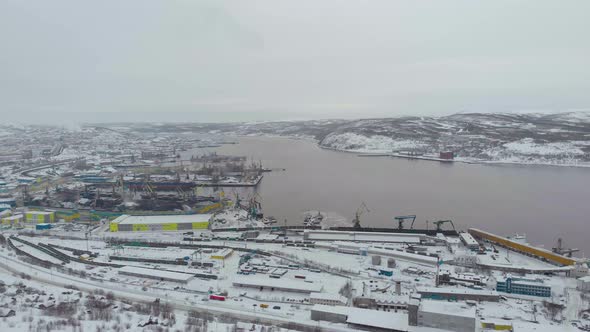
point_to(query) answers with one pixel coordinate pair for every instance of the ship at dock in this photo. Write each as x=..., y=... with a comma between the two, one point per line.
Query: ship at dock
x=313, y=219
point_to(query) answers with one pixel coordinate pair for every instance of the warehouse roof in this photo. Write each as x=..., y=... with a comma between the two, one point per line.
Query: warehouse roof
x=40, y=212
x=447, y=308
x=283, y=284
x=463, y=291
x=340, y=310
x=15, y=217
x=163, y=219
x=379, y=319
x=327, y=296
x=153, y=273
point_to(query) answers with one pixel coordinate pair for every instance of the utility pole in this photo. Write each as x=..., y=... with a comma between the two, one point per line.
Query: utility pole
x=86, y=233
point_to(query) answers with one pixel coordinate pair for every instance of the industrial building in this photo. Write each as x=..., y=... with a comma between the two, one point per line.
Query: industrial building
x=351, y=248
x=457, y=294
x=523, y=248
x=127, y=223
x=8, y=201
x=40, y=217
x=361, y=319
x=327, y=299
x=532, y=287
x=469, y=241
x=446, y=155
x=222, y=254
x=326, y=235
x=13, y=220
x=335, y=314
x=417, y=258
x=278, y=284
x=155, y=274
x=583, y=284
x=447, y=316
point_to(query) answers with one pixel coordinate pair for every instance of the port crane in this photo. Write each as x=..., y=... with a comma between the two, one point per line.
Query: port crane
x=402, y=219
x=439, y=224
x=564, y=251
x=357, y=215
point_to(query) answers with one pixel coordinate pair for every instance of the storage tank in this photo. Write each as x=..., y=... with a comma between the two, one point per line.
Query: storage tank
x=376, y=260
x=391, y=263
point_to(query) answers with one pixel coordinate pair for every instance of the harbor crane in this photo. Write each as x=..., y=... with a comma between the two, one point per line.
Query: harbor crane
x=439, y=224
x=402, y=219
x=357, y=216
x=563, y=251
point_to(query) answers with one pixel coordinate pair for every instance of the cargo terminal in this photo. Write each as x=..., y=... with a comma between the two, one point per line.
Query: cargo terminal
x=522, y=248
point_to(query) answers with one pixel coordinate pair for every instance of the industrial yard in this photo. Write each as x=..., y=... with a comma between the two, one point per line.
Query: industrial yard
x=303, y=279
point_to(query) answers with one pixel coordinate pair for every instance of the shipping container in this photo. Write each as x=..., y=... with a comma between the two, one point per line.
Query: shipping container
x=40, y=227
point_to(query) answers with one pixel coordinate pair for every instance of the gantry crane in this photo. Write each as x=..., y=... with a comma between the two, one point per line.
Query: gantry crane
x=564, y=251
x=402, y=219
x=357, y=215
x=442, y=222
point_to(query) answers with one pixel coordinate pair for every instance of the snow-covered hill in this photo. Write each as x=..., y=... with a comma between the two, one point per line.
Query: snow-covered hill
x=533, y=138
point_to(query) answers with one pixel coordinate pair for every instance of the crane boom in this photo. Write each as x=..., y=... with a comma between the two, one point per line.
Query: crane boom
x=357, y=216
x=439, y=224
x=402, y=219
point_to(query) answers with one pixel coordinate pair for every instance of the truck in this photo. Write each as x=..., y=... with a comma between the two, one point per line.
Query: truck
x=264, y=305
x=216, y=297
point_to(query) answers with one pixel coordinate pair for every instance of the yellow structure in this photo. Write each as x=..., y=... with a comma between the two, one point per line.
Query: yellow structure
x=208, y=208
x=522, y=248
x=13, y=220
x=67, y=216
x=170, y=227
x=222, y=254
x=155, y=223
x=200, y=225
x=496, y=326
x=40, y=217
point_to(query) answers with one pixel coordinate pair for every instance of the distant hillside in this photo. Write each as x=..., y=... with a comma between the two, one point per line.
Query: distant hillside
x=560, y=139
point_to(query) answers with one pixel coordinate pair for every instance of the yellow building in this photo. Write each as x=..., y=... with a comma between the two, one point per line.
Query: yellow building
x=222, y=254
x=13, y=220
x=496, y=326
x=154, y=223
x=40, y=217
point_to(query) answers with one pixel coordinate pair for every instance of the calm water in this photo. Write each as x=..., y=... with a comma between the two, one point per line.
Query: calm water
x=543, y=202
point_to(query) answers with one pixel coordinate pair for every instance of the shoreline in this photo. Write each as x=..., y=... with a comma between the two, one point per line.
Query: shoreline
x=361, y=153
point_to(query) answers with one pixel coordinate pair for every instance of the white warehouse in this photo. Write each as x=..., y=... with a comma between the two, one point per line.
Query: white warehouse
x=469, y=241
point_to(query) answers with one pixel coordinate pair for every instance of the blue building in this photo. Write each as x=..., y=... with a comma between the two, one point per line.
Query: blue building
x=386, y=272
x=8, y=201
x=532, y=287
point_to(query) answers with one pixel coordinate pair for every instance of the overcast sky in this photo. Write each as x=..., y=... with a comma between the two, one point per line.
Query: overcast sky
x=267, y=60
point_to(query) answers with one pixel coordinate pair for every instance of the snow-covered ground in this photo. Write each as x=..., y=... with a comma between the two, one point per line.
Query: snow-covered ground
x=324, y=268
